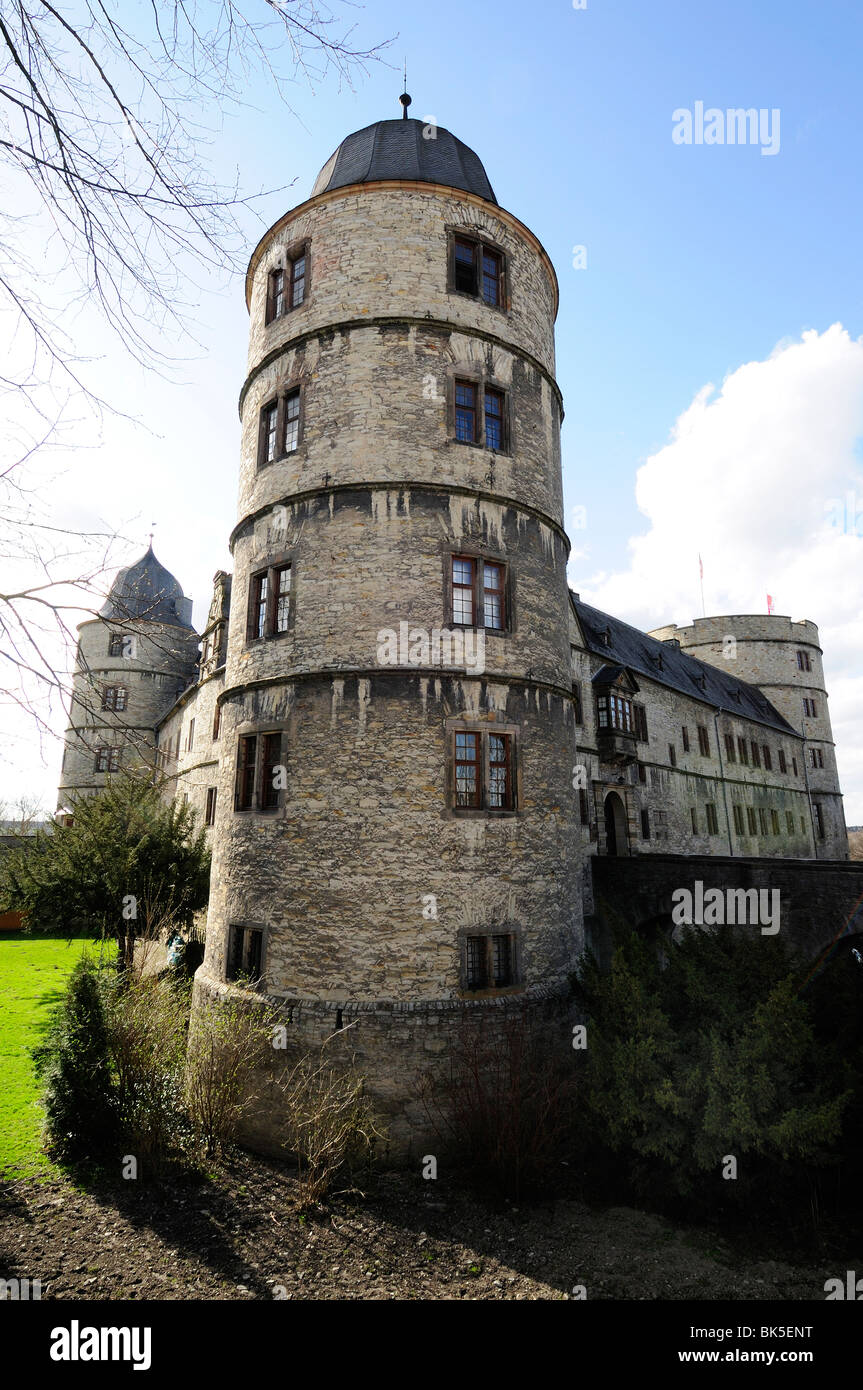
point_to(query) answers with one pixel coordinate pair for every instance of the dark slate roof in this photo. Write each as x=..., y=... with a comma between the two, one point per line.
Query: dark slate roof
x=147, y=590
x=679, y=671
x=397, y=150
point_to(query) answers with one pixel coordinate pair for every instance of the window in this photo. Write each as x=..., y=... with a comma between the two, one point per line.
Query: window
x=298, y=279
x=645, y=823
x=743, y=751
x=292, y=421
x=583, y=806
x=190, y=741
x=729, y=748
x=478, y=270
x=817, y=757
x=210, y=812
x=783, y=766
x=615, y=712
x=577, y=706
x=280, y=428
x=810, y=708
x=245, y=953
x=774, y=822
x=739, y=823
x=803, y=661
x=712, y=822
x=244, y=793
x=271, y=772
x=640, y=714
x=489, y=961
x=756, y=754
x=115, y=645
x=789, y=821
x=819, y=820
x=751, y=821
x=476, y=404
x=768, y=760
x=685, y=732
x=672, y=755
x=802, y=825
x=114, y=697
x=642, y=773
x=703, y=741
x=106, y=760
x=762, y=819
x=794, y=766
x=257, y=783
x=693, y=816
x=465, y=412
x=217, y=721
x=478, y=593
x=490, y=787
x=275, y=295
x=493, y=419
x=269, y=602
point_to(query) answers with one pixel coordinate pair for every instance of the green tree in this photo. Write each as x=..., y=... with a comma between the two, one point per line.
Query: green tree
x=127, y=865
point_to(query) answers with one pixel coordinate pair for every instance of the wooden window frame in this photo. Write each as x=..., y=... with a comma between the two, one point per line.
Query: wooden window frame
x=816, y=757
x=190, y=736
x=739, y=821
x=272, y=574
x=645, y=823
x=751, y=820
x=246, y=945
x=704, y=741
x=115, y=644
x=480, y=387
x=109, y=698
x=804, y=662
x=480, y=247
x=684, y=732
x=712, y=818
x=217, y=722
x=742, y=751
x=756, y=753
x=672, y=755
x=286, y=289
x=730, y=750
x=693, y=819
x=783, y=763
x=482, y=947
x=254, y=792
x=478, y=590
x=482, y=764
x=111, y=754
x=210, y=808
x=280, y=404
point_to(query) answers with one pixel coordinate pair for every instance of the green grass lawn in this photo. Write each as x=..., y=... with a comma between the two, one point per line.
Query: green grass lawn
x=33, y=972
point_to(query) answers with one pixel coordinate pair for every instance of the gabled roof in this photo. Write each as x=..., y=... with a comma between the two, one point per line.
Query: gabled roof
x=619, y=643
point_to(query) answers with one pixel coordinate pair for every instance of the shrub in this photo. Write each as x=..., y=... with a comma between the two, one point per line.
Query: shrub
x=505, y=1107
x=146, y=1025
x=230, y=1045
x=74, y=1063
x=330, y=1128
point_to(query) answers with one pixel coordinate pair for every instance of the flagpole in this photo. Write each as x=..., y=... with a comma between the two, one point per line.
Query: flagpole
x=701, y=573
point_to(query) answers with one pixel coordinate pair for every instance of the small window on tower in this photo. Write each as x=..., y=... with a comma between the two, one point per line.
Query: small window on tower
x=245, y=953
x=489, y=961
x=298, y=280
x=275, y=295
x=269, y=603
x=478, y=270
x=465, y=412
x=494, y=419
x=292, y=420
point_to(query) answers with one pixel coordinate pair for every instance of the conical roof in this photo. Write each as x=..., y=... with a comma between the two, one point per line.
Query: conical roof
x=147, y=590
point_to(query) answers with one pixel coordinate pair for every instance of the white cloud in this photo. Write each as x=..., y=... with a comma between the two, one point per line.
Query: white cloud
x=755, y=478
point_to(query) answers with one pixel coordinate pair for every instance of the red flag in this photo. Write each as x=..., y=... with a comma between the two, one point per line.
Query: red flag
x=769, y=603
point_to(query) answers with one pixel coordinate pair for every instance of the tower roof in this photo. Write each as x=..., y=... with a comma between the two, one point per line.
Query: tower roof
x=395, y=150
x=147, y=590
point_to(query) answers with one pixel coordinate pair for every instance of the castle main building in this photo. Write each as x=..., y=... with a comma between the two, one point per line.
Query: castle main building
x=407, y=735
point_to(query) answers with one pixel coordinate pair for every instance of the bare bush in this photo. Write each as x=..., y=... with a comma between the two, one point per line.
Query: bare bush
x=146, y=1022
x=330, y=1127
x=504, y=1107
x=230, y=1045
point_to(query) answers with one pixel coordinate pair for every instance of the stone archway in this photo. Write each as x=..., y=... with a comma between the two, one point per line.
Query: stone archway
x=616, y=840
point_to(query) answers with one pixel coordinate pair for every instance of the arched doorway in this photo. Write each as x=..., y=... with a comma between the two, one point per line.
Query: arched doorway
x=615, y=825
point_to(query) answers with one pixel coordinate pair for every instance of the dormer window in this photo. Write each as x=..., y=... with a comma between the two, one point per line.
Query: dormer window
x=615, y=711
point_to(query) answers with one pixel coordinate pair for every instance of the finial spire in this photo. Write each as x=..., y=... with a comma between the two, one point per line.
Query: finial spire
x=404, y=98
x=153, y=524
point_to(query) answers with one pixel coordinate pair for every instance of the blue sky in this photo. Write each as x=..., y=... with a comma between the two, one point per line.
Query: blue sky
x=700, y=260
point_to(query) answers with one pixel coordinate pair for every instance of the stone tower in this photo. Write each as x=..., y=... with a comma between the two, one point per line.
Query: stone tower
x=132, y=661
x=395, y=844
x=784, y=659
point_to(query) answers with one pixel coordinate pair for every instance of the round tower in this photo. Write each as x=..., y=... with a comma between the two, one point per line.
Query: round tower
x=395, y=844
x=784, y=659
x=131, y=663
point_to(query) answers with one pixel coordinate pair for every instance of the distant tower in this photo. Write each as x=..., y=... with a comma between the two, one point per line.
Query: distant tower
x=784, y=659
x=395, y=840
x=132, y=662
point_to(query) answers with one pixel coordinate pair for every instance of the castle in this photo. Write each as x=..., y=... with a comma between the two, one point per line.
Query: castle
x=402, y=832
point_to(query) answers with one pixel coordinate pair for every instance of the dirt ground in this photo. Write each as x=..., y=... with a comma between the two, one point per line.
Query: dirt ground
x=239, y=1235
